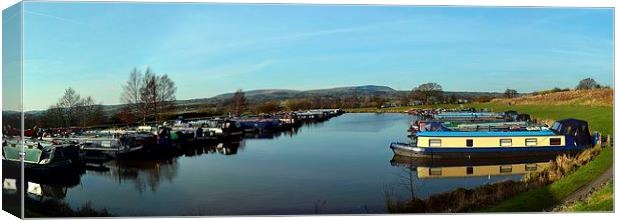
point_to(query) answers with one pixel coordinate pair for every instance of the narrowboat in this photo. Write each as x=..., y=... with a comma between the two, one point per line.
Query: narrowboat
x=477, y=116
x=223, y=128
x=102, y=149
x=564, y=137
x=258, y=124
x=310, y=117
x=477, y=126
x=41, y=159
x=216, y=127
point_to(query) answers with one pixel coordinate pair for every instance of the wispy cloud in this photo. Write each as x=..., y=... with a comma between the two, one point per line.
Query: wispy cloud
x=54, y=17
x=321, y=33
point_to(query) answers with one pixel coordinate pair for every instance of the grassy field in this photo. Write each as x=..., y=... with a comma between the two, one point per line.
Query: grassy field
x=594, y=97
x=601, y=200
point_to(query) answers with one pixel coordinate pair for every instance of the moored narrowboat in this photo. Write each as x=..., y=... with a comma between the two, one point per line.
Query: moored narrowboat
x=41, y=158
x=564, y=137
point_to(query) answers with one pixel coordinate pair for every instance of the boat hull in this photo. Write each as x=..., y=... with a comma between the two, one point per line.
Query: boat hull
x=62, y=172
x=445, y=152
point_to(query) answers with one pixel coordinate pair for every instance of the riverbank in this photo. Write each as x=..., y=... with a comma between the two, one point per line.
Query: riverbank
x=546, y=197
x=599, y=118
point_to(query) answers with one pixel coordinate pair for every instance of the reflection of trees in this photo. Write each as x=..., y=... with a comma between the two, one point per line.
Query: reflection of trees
x=407, y=175
x=273, y=134
x=143, y=173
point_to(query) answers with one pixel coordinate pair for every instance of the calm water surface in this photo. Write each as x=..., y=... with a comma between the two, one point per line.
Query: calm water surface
x=338, y=166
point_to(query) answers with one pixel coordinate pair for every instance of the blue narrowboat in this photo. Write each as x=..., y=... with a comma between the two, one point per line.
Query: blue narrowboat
x=564, y=137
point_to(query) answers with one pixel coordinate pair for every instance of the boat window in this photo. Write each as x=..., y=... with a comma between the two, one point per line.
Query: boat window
x=470, y=170
x=434, y=142
x=531, y=167
x=555, y=141
x=531, y=142
x=470, y=142
x=505, y=142
x=505, y=169
x=436, y=171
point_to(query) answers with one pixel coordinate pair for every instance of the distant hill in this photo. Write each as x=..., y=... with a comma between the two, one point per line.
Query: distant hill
x=282, y=94
x=366, y=90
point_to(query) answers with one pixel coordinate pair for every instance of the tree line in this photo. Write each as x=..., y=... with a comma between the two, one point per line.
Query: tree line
x=151, y=97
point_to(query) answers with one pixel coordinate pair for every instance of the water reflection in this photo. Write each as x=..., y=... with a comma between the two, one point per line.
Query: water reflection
x=289, y=132
x=144, y=174
x=225, y=148
x=427, y=168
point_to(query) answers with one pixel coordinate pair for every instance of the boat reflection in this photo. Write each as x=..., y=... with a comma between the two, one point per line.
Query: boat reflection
x=144, y=174
x=289, y=132
x=225, y=148
x=429, y=168
x=56, y=190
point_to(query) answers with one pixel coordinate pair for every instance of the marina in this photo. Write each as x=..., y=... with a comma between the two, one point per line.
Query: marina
x=326, y=163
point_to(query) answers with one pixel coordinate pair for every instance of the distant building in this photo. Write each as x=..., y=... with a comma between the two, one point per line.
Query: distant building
x=390, y=105
x=415, y=102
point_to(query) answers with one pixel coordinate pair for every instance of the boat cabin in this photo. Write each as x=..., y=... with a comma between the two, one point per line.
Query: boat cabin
x=473, y=139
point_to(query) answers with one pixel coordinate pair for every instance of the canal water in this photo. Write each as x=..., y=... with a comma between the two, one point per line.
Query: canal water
x=343, y=165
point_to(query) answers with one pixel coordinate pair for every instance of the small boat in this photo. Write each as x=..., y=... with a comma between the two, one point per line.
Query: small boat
x=564, y=137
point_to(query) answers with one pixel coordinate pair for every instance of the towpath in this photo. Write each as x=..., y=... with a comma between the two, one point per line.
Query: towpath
x=586, y=189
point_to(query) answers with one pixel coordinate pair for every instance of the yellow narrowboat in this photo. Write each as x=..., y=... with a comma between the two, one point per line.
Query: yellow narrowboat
x=565, y=136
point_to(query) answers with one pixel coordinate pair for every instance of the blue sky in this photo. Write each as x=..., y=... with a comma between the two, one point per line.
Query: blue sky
x=210, y=49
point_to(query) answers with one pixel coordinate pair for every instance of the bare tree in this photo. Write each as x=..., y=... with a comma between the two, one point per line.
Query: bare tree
x=166, y=93
x=239, y=103
x=148, y=95
x=73, y=110
x=131, y=96
x=157, y=95
x=68, y=103
x=427, y=91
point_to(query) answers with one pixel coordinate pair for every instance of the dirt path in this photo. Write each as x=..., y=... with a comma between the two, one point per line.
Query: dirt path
x=585, y=190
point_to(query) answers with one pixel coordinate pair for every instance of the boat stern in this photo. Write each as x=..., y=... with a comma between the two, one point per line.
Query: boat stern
x=409, y=150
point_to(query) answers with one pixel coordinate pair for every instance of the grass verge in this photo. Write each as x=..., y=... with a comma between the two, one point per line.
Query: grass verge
x=600, y=200
x=539, y=199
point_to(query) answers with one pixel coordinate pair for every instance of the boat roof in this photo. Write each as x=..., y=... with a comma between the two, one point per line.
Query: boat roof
x=484, y=133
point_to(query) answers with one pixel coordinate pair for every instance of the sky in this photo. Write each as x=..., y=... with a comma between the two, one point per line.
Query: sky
x=209, y=49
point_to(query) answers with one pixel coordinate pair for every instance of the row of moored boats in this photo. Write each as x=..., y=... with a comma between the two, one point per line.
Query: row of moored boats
x=55, y=150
